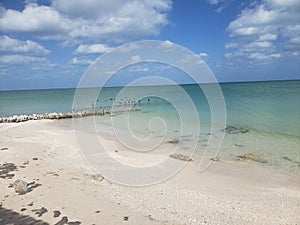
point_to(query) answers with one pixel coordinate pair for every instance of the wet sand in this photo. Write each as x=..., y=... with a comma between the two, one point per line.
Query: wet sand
x=65, y=190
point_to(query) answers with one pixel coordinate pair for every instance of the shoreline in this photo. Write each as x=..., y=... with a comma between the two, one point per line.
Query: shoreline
x=232, y=192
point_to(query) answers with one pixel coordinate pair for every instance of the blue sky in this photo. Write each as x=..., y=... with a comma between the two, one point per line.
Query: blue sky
x=50, y=43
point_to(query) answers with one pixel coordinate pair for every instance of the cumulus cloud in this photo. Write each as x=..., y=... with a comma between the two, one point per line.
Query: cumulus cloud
x=80, y=20
x=41, y=21
x=14, y=46
x=92, y=49
x=87, y=8
x=266, y=31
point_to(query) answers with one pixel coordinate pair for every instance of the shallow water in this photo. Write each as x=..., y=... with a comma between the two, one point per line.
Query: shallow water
x=269, y=110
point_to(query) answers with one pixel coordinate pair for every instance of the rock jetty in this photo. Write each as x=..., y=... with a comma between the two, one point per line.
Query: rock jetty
x=54, y=115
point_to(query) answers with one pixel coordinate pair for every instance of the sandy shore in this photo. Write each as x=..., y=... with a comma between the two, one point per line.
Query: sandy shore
x=45, y=155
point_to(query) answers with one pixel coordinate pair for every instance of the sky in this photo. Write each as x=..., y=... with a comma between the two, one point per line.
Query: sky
x=50, y=43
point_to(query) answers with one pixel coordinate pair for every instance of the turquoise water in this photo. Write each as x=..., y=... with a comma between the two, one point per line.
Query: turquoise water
x=270, y=110
x=263, y=106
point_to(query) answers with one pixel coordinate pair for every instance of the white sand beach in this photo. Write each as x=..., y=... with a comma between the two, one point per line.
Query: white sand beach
x=63, y=188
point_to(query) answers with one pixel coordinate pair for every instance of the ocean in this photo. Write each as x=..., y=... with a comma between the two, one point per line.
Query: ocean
x=267, y=112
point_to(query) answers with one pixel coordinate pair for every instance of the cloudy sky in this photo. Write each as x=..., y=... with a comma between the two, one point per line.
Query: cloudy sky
x=50, y=43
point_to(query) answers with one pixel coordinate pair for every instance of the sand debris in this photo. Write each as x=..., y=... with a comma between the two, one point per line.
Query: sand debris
x=252, y=157
x=97, y=177
x=174, y=141
x=181, y=157
x=215, y=159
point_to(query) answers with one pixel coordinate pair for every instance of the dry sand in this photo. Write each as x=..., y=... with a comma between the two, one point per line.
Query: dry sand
x=45, y=155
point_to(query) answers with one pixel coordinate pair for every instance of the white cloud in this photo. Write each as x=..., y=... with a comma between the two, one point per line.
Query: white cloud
x=21, y=59
x=135, y=58
x=263, y=57
x=81, y=61
x=166, y=44
x=295, y=40
x=203, y=55
x=220, y=4
x=4, y=71
x=76, y=21
x=129, y=47
x=139, y=67
x=86, y=8
x=266, y=31
x=284, y=3
x=231, y=45
x=258, y=44
x=41, y=21
x=14, y=46
x=256, y=52
x=213, y=2
x=92, y=49
x=267, y=37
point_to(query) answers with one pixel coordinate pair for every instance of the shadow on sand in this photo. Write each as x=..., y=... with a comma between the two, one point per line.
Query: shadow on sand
x=6, y=169
x=8, y=216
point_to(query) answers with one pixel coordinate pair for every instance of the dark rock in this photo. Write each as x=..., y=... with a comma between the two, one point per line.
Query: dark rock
x=125, y=218
x=235, y=130
x=56, y=213
x=181, y=157
x=23, y=209
x=40, y=211
x=174, y=141
x=238, y=145
x=63, y=221
x=30, y=204
x=287, y=158
x=3, y=149
x=35, y=158
x=150, y=217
